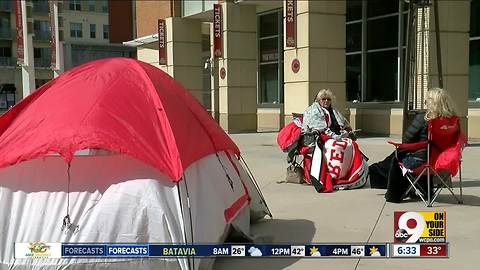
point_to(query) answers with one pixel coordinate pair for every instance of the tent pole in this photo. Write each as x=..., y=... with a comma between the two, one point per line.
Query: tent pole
x=256, y=185
x=183, y=220
x=66, y=223
x=190, y=217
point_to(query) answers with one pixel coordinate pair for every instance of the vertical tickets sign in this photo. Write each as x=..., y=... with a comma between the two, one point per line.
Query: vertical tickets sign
x=162, y=42
x=217, y=30
x=19, y=29
x=53, y=42
x=291, y=23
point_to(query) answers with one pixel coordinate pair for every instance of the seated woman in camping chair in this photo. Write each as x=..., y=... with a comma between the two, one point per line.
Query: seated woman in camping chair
x=332, y=158
x=387, y=173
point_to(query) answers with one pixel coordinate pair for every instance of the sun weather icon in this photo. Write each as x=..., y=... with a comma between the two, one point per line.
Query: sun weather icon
x=314, y=252
x=374, y=252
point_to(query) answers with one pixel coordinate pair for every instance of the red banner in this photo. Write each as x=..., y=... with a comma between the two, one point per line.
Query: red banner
x=291, y=23
x=162, y=42
x=53, y=41
x=217, y=30
x=19, y=28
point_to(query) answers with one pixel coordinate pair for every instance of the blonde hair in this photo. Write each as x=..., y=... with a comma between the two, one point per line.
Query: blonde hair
x=439, y=104
x=325, y=93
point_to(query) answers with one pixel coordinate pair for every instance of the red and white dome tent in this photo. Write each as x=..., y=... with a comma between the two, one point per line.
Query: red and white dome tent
x=170, y=175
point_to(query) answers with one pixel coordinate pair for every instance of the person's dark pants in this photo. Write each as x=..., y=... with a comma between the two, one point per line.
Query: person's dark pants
x=387, y=174
x=397, y=185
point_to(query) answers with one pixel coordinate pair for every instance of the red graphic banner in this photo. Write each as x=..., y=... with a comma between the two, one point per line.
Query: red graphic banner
x=162, y=42
x=217, y=30
x=290, y=23
x=19, y=29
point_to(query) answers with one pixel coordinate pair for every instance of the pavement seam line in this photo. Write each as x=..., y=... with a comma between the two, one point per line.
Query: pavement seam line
x=273, y=181
x=373, y=229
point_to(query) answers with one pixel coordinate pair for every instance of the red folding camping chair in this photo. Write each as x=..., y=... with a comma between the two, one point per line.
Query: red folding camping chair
x=444, y=148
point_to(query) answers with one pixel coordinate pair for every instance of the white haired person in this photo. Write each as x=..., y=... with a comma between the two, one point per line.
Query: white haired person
x=337, y=162
x=387, y=174
x=322, y=117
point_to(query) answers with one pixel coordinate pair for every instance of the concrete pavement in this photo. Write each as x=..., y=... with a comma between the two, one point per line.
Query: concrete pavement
x=301, y=215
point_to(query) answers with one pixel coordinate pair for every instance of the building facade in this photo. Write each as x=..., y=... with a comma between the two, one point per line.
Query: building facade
x=86, y=32
x=355, y=48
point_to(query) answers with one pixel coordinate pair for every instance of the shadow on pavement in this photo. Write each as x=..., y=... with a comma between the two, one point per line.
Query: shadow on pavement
x=272, y=231
x=466, y=183
x=470, y=200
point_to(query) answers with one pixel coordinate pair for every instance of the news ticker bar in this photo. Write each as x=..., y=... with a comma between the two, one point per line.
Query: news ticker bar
x=377, y=250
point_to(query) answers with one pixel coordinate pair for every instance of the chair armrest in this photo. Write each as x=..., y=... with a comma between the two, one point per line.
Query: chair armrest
x=396, y=144
x=409, y=146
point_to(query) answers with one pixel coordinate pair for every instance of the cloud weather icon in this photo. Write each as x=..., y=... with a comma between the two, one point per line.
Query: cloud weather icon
x=254, y=252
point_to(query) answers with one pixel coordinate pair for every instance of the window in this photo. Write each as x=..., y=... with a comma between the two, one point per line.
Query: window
x=354, y=37
x=93, y=31
x=84, y=53
x=41, y=25
x=91, y=5
x=6, y=56
x=7, y=95
x=382, y=76
x=192, y=7
x=381, y=7
x=74, y=5
x=41, y=57
x=474, y=77
x=40, y=6
x=372, y=56
x=354, y=77
x=269, y=83
x=354, y=10
x=41, y=30
x=40, y=82
x=105, y=6
x=41, y=52
x=76, y=30
x=270, y=70
x=105, y=31
x=5, y=52
x=382, y=54
x=388, y=37
x=4, y=23
x=354, y=51
x=37, y=52
x=5, y=28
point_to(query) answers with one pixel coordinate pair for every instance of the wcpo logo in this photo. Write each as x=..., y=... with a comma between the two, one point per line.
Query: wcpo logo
x=420, y=227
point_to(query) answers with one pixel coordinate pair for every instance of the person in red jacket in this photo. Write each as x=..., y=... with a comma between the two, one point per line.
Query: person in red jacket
x=387, y=174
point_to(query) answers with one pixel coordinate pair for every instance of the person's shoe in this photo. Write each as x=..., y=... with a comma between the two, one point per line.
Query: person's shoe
x=412, y=195
x=317, y=184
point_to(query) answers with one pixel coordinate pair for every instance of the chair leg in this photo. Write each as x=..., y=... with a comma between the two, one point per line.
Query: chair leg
x=418, y=190
x=436, y=193
x=449, y=189
x=428, y=188
x=460, y=178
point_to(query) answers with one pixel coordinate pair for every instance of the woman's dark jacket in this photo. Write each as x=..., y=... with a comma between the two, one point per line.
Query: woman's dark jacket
x=387, y=173
x=417, y=132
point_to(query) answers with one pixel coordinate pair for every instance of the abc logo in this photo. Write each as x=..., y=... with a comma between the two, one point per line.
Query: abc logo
x=401, y=235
